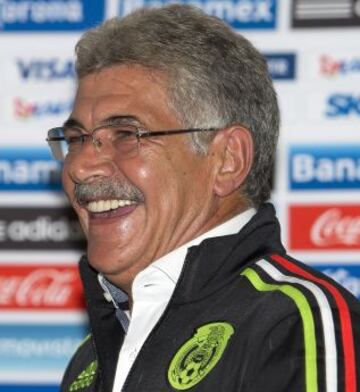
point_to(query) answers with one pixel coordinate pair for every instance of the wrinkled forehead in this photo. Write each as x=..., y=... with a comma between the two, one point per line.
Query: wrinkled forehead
x=123, y=90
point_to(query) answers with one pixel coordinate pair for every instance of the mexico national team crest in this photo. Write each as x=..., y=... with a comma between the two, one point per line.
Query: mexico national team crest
x=198, y=356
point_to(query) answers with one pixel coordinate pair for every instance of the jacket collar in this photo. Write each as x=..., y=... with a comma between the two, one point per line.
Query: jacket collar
x=217, y=261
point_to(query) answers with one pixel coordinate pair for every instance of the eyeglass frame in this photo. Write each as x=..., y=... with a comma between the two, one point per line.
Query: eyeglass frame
x=139, y=133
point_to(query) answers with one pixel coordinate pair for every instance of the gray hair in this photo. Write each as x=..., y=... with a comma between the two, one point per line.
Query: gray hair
x=215, y=77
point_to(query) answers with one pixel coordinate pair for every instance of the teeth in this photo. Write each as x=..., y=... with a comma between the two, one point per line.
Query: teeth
x=107, y=205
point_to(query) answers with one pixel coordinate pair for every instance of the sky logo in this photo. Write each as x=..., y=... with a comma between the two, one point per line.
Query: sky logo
x=50, y=15
x=348, y=275
x=331, y=67
x=281, y=65
x=26, y=110
x=240, y=14
x=48, y=347
x=25, y=169
x=324, y=167
x=46, y=70
x=343, y=105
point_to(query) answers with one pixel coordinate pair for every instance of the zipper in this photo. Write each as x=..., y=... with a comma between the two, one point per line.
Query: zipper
x=146, y=343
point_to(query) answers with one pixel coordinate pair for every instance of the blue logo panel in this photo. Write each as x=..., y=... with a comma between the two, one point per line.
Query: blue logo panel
x=240, y=14
x=348, y=275
x=30, y=347
x=29, y=388
x=23, y=169
x=50, y=15
x=324, y=167
x=281, y=65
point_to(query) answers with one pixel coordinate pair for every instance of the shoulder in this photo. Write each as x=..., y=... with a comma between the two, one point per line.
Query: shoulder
x=81, y=372
x=306, y=291
x=310, y=318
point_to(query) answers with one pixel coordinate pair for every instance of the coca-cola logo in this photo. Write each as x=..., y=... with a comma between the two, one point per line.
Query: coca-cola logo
x=324, y=227
x=49, y=287
x=333, y=227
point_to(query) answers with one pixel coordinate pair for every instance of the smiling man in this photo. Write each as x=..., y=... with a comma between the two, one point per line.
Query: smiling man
x=168, y=155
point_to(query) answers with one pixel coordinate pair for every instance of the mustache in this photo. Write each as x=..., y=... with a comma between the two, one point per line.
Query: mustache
x=107, y=189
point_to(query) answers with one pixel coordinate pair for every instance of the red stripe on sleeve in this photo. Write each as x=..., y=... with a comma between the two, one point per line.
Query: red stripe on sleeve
x=345, y=320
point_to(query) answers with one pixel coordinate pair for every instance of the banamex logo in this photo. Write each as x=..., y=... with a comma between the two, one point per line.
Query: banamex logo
x=240, y=14
x=29, y=169
x=324, y=167
x=325, y=227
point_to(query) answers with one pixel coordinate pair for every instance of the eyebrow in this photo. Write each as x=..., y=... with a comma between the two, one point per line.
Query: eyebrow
x=108, y=121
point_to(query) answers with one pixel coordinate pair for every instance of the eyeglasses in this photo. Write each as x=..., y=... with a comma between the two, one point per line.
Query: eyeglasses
x=125, y=139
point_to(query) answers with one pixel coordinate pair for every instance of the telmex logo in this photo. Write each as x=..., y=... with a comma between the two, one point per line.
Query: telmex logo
x=240, y=14
x=50, y=15
x=40, y=228
x=324, y=167
x=348, y=275
x=324, y=227
x=343, y=105
x=40, y=287
x=47, y=347
x=29, y=170
x=307, y=13
x=27, y=110
x=281, y=65
x=46, y=70
x=332, y=67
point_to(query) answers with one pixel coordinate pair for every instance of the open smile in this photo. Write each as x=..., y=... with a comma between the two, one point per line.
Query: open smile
x=107, y=209
x=107, y=205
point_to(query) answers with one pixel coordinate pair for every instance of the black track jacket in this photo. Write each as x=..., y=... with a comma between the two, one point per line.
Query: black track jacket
x=244, y=317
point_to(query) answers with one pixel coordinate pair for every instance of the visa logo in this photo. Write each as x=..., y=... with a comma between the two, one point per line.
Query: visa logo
x=324, y=167
x=348, y=275
x=46, y=70
x=50, y=15
x=26, y=110
x=240, y=14
x=343, y=105
x=281, y=65
x=29, y=170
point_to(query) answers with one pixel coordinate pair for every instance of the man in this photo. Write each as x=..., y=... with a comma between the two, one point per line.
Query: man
x=167, y=161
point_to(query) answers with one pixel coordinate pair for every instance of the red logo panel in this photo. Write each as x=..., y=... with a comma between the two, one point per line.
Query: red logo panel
x=39, y=287
x=325, y=227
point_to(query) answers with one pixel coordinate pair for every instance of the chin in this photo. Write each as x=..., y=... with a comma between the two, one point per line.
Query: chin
x=107, y=264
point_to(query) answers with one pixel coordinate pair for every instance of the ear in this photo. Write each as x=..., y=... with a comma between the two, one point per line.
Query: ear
x=236, y=153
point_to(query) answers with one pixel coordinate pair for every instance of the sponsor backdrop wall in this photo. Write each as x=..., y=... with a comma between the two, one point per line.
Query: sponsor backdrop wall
x=313, y=52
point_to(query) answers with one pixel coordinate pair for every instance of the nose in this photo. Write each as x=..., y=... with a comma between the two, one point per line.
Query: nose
x=90, y=163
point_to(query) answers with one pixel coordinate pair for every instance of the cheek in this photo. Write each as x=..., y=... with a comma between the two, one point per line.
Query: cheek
x=68, y=185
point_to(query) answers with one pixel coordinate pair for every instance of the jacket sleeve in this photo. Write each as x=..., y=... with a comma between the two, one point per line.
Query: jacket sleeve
x=82, y=371
x=297, y=355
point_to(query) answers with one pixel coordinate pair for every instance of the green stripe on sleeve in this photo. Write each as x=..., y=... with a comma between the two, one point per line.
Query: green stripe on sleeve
x=307, y=320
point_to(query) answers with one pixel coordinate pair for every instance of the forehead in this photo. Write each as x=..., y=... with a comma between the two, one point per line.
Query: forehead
x=123, y=90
